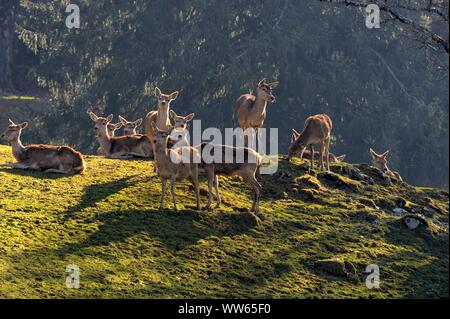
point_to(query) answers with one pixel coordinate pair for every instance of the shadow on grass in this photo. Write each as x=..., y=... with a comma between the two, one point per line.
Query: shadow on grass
x=96, y=193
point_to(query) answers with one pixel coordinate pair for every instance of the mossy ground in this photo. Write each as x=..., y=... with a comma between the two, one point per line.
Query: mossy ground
x=107, y=222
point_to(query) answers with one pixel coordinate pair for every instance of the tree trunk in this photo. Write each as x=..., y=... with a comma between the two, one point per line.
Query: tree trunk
x=7, y=36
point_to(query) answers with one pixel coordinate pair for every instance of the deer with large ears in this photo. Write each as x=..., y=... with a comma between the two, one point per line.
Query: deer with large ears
x=112, y=129
x=51, y=159
x=173, y=165
x=379, y=161
x=129, y=128
x=122, y=147
x=317, y=131
x=180, y=131
x=250, y=110
x=160, y=117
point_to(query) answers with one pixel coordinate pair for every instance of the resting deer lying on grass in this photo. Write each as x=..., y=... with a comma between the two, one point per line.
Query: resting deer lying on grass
x=172, y=164
x=51, y=159
x=130, y=128
x=244, y=165
x=121, y=147
x=112, y=129
x=160, y=117
x=379, y=161
x=180, y=131
x=317, y=131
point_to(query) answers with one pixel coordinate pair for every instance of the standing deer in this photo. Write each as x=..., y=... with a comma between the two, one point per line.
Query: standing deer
x=112, y=129
x=180, y=131
x=246, y=168
x=161, y=116
x=379, y=161
x=51, y=159
x=317, y=131
x=129, y=128
x=123, y=147
x=172, y=164
x=250, y=110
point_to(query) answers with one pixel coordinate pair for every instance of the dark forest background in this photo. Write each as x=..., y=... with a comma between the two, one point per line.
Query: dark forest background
x=384, y=88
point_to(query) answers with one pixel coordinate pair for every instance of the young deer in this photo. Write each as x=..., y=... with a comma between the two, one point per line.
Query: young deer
x=112, y=129
x=250, y=162
x=159, y=117
x=130, y=128
x=172, y=164
x=317, y=131
x=180, y=131
x=250, y=110
x=379, y=161
x=123, y=147
x=51, y=159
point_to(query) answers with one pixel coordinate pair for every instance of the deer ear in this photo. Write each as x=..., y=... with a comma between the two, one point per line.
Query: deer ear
x=138, y=122
x=189, y=117
x=122, y=120
x=274, y=85
x=372, y=153
x=23, y=125
x=11, y=122
x=341, y=158
x=93, y=116
x=109, y=118
x=262, y=82
x=173, y=115
x=295, y=133
x=118, y=125
x=174, y=95
x=157, y=92
x=385, y=154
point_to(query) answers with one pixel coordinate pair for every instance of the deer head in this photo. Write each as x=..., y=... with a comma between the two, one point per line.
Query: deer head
x=164, y=100
x=101, y=123
x=181, y=122
x=130, y=128
x=297, y=146
x=12, y=133
x=161, y=137
x=379, y=160
x=264, y=90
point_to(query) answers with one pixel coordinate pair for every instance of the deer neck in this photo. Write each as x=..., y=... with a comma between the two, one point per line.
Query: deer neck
x=162, y=117
x=260, y=104
x=105, y=140
x=17, y=147
x=162, y=156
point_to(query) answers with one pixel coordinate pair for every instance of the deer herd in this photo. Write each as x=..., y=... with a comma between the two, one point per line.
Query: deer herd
x=166, y=142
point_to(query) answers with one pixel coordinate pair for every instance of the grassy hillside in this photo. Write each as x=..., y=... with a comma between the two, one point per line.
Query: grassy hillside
x=321, y=232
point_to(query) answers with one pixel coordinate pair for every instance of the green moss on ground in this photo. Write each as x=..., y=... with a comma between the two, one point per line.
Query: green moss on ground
x=107, y=222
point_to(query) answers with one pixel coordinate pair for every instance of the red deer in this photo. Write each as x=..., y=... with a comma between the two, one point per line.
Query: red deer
x=130, y=128
x=317, y=131
x=250, y=110
x=180, y=131
x=251, y=160
x=50, y=159
x=173, y=166
x=121, y=147
x=379, y=161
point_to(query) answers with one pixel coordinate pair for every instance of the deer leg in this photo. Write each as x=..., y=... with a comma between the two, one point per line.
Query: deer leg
x=251, y=181
x=216, y=185
x=327, y=154
x=16, y=165
x=172, y=191
x=194, y=181
x=322, y=151
x=210, y=174
x=311, y=167
x=163, y=183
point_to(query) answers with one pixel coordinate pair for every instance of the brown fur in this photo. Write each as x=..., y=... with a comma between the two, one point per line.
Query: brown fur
x=123, y=147
x=379, y=161
x=332, y=157
x=112, y=128
x=130, y=128
x=246, y=170
x=317, y=131
x=160, y=117
x=250, y=110
x=51, y=159
x=167, y=169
